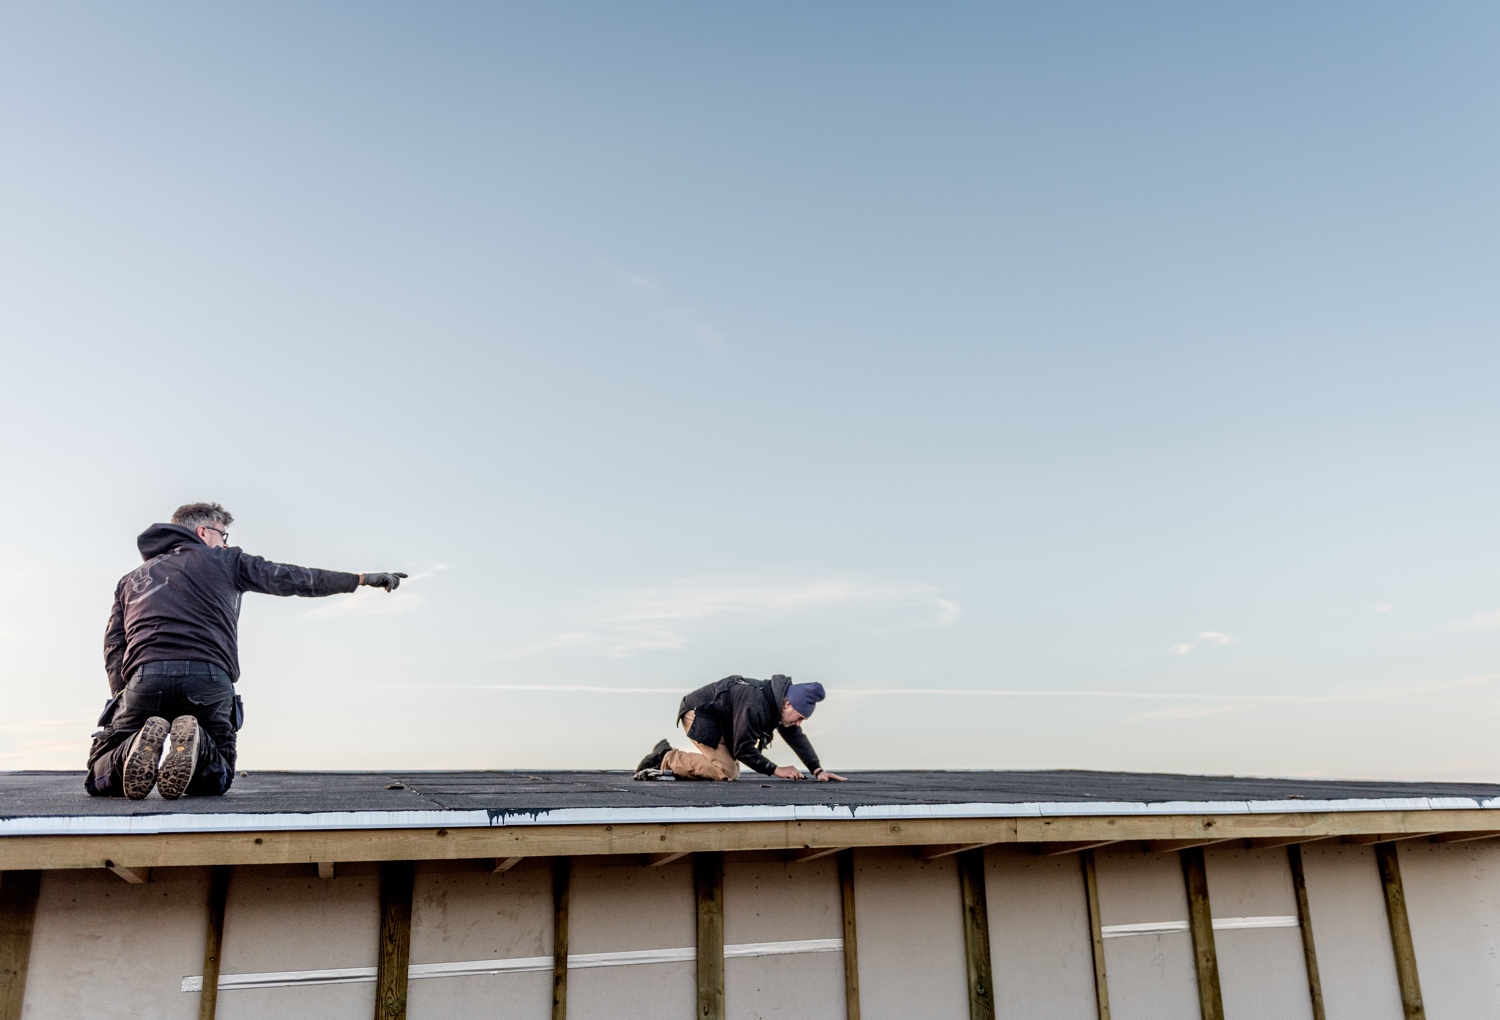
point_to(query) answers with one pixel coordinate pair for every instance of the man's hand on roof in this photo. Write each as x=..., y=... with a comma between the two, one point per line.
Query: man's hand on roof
x=787, y=772
x=390, y=582
x=823, y=776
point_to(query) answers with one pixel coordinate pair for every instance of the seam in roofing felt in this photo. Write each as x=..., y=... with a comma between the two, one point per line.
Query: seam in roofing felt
x=129, y=825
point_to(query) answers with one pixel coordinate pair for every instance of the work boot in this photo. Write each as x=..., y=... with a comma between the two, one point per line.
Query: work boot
x=141, y=760
x=653, y=760
x=182, y=758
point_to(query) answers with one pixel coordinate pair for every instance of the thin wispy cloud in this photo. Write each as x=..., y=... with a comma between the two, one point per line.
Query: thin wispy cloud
x=655, y=298
x=1482, y=621
x=1206, y=637
x=666, y=618
x=1210, y=704
x=1384, y=607
x=1183, y=712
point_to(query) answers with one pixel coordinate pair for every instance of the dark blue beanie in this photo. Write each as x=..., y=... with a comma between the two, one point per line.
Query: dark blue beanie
x=803, y=697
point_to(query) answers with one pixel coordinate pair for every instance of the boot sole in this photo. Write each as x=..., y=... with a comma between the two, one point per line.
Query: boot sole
x=145, y=752
x=182, y=758
x=652, y=761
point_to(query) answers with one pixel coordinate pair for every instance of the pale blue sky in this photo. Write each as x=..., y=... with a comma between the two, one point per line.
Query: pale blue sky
x=1115, y=381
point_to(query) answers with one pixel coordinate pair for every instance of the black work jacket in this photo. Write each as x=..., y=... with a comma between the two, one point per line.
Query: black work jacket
x=745, y=714
x=183, y=602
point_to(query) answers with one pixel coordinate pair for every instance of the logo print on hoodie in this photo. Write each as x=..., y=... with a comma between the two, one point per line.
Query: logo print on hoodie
x=143, y=585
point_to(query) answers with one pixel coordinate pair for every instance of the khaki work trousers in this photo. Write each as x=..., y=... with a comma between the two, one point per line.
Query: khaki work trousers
x=709, y=763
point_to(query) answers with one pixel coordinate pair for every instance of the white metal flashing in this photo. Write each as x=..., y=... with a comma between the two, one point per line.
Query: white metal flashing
x=1115, y=931
x=167, y=822
x=520, y=965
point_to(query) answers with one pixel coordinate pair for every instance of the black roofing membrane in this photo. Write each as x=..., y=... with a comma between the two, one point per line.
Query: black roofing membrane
x=60, y=794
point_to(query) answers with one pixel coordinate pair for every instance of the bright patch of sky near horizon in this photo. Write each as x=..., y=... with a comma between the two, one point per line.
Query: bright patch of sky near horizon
x=1073, y=385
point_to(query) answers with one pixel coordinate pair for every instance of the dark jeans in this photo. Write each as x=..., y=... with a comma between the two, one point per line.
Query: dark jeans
x=169, y=689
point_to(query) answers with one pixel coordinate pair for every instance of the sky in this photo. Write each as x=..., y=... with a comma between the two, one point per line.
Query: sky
x=1076, y=385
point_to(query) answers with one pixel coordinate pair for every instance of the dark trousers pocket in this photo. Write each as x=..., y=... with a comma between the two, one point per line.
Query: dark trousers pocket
x=239, y=712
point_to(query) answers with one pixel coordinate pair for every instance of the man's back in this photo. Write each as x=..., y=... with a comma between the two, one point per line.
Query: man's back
x=183, y=602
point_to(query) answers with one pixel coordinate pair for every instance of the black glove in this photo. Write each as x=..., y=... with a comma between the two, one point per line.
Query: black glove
x=390, y=582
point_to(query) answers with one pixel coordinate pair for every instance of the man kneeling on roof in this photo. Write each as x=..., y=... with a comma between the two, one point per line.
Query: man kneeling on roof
x=732, y=721
x=172, y=653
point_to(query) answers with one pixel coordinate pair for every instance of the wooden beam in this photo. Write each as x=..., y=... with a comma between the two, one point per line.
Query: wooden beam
x=708, y=891
x=505, y=864
x=1276, y=842
x=1304, y=921
x=971, y=889
x=1169, y=846
x=815, y=853
x=1096, y=932
x=1201, y=924
x=18, y=895
x=657, y=860
x=1362, y=839
x=1463, y=837
x=394, y=951
x=135, y=876
x=851, y=943
x=1395, y=911
x=213, y=942
x=326, y=870
x=562, y=880
x=933, y=853
x=195, y=849
x=1058, y=849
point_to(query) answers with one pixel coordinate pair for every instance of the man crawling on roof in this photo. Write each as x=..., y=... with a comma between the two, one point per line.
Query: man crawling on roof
x=731, y=722
x=172, y=653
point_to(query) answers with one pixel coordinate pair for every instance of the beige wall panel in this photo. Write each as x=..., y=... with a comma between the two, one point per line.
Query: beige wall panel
x=103, y=948
x=461, y=912
x=807, y=987
x=769, y=900
x=1262, y=972
x=1039, y=936
x=616, y=905
x=1352, y=934
x=1453, y=903
x=911, y=937
x=1151, y=977
x=286, y=918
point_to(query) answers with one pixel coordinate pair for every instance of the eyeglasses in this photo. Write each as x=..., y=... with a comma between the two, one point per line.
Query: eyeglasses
x=222, y=533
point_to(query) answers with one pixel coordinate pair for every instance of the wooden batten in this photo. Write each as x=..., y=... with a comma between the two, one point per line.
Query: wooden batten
x=1304, y=921
x=1201, y=925
x=18, y=895
x=1096, y=933
x=393, y=958
x=708, y=892
x=213, y=942
x=971, y=888
x=813, y=854
x=851, y=941
x=562, y=880
x=505, y=864
x=1387, y=860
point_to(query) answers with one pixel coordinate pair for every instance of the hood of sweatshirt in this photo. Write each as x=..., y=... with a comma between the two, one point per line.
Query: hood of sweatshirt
x=163, y=538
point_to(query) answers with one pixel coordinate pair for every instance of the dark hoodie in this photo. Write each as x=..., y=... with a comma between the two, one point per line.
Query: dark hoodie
x=184, y=601
x=745, y=714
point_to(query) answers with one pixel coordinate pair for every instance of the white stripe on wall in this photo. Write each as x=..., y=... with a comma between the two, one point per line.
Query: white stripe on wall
x=576, y=961
x=1115, y=931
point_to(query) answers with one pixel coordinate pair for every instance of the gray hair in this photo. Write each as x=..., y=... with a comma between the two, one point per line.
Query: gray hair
x=194, y=515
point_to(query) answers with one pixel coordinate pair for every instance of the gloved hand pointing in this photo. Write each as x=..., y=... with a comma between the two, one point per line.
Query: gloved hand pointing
x=390, y=582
